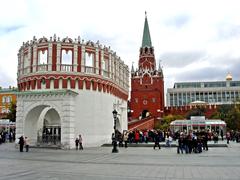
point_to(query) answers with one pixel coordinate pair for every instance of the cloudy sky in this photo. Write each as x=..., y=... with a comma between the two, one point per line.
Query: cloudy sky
x=195, y=40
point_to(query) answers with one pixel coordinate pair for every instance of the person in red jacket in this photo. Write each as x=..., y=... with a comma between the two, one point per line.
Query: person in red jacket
x=137, y=136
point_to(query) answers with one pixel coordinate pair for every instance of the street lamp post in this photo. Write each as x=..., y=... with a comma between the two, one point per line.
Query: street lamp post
x=114, y=150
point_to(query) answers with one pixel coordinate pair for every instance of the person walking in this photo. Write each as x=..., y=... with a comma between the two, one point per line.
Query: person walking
x=156, y=140
x=76, y=143
x=221, y=133
x=228, y=137
x=26, y=142
x=21, y=143
x=125, y=138
x=80, y=142
x=180, y=146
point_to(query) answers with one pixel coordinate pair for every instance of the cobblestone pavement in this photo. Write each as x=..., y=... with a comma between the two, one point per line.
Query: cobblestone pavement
x=135, y=163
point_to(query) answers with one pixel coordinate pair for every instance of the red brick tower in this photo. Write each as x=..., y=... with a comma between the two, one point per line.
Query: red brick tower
x=147, y=85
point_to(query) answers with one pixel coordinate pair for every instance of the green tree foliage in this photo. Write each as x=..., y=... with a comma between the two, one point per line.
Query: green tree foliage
x=230, y=113
x=198, y=111
x=12, y=112
x=164, y=124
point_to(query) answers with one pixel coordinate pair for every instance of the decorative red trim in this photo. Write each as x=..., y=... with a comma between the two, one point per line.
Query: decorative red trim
x=79, y=59
x=99, y=62
x=100, y=86
x=80, y=84
x=31, y=66
x=64, y=83
x=94, y=85
x=88, y=84
x=104, y=88
x=91, y=83
x=47, y=83
x=28, y=85
x=39, y=84
x=54, y=57
x=33, y=84
x=72, y=82
x=56, y=83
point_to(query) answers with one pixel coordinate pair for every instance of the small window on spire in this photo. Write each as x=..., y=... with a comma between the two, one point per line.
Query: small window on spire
x=146, y=50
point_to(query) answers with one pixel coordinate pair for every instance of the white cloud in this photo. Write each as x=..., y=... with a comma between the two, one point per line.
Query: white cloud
x=179, y=31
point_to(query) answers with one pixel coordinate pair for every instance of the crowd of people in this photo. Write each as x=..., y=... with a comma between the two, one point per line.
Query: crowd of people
x=7, y=135
x=191, y=142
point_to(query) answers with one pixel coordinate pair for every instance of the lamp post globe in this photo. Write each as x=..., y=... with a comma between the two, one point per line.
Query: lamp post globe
x=114, y=139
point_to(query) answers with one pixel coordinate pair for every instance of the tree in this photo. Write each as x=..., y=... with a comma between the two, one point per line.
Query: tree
x=198, y=111
x=166, y=120
x=230, y=113
x=233, y=118
x=12, y=112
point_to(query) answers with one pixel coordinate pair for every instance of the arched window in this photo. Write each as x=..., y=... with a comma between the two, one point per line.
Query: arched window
x=89, y=59
x=25, y=60
x=103, y=65
x=66, y=56
x=42, y=57
x=9, y=99
x=146, y=79
x=3, y=99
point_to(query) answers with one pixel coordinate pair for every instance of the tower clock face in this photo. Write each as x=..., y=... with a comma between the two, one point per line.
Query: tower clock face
x=145, y=102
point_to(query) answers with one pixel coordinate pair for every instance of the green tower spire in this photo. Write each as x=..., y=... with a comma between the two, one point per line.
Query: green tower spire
x=146, y=40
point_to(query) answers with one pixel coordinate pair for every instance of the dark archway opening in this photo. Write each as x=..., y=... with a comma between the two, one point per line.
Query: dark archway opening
x=145, y=113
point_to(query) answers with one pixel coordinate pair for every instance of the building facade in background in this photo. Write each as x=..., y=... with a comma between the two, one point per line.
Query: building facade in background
x=215, y=92
x=70, y=87
x=147, y=85
x=7, y=97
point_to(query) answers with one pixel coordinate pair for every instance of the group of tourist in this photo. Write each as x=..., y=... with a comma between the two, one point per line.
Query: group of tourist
x=78, y=142
x=7, y=136
x=23, y=141
x=137, y=136
x=191, y=142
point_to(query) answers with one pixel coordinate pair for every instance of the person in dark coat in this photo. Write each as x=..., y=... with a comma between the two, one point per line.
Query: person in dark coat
x=180, y=145
x=157, y=140
x=21, y=143
x=76, y=143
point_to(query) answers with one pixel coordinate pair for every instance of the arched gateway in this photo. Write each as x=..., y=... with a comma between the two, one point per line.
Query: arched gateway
x=43, y=124
x=67, y=88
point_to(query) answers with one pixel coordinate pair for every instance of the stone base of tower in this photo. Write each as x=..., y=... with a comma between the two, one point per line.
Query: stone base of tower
x=57, y=117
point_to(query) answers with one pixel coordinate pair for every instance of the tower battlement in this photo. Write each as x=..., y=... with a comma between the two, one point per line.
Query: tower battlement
x=54, y=63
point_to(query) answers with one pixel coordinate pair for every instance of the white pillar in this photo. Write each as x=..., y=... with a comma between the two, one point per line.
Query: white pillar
x=83, y=59
x=19, y=118
x=50, y=56
x=75, y=57
x=58, y=56
x=110, y=65
x=35, y=58
x=97, y=60
x=68, y=123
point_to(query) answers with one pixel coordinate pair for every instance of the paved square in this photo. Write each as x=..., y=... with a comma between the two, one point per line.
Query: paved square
x=131, y=163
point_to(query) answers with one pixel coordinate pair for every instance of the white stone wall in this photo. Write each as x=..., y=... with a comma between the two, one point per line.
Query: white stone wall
x=94, y=118
x=84, y=112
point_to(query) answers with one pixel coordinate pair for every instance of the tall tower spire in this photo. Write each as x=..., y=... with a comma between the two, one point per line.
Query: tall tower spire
x=146, y=40
x=147, y=85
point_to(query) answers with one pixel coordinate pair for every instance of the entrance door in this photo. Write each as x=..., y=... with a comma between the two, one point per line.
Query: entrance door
x=145, y=114
x=51, y=135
